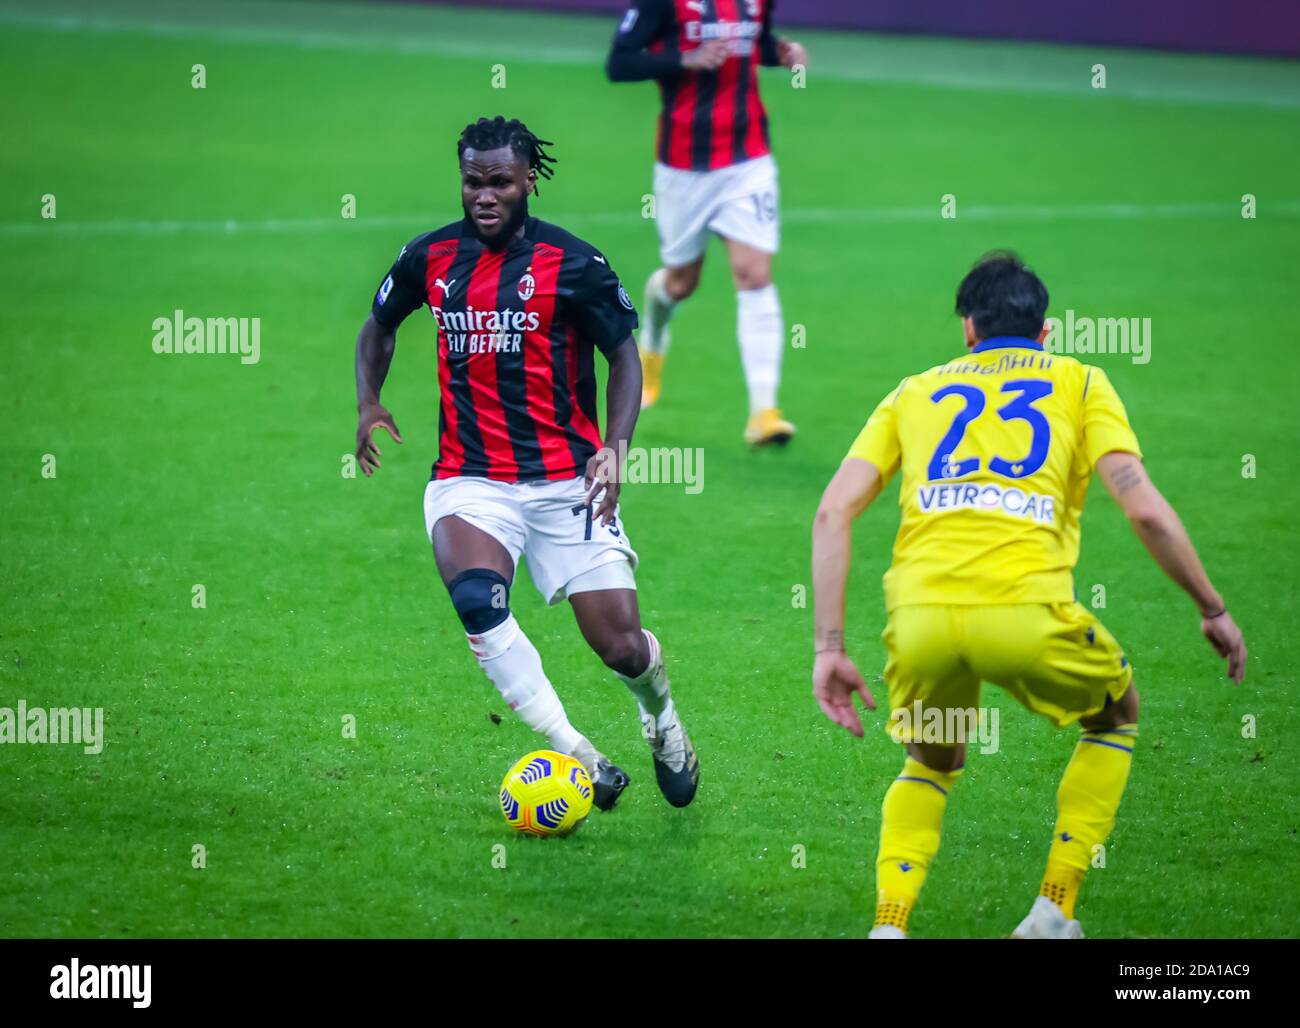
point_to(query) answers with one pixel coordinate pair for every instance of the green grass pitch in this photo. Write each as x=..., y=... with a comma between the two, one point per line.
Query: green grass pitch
x=223, y=724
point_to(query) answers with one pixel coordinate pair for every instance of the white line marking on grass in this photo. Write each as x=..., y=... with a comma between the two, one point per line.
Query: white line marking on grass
x=415, y=223
x=1174, y=93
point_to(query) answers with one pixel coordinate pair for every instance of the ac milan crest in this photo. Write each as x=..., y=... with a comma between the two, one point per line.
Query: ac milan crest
x=527, y=286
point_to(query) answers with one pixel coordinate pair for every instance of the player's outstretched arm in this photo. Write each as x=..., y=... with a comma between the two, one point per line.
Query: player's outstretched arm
x=375, y=346
x=1157, y=524
x=622, y=405
x=835, y=678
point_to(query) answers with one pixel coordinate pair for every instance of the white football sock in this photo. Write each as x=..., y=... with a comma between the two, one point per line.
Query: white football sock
x=762, y=337
x=659, y=307
x=513, y=664
x=650, y=687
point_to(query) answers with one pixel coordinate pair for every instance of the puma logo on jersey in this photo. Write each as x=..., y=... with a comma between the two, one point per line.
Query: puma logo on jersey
x=444, y=286
x=701, y=7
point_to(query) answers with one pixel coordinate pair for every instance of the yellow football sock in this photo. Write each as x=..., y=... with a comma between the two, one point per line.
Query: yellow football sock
x=1086, y=804
x=910, y=824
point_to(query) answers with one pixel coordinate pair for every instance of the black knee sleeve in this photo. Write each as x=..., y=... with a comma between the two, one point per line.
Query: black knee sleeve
x=481, y=598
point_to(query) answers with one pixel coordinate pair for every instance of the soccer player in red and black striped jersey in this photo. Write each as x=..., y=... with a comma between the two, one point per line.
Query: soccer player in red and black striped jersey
x=519, y=309
x=714, y=175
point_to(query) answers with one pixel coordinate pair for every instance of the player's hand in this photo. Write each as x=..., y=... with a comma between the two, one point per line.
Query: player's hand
x=790, y=53
x=1225, y=637
x=602, y=474
x=373, y=416
x=835, y=680
x=708, y=56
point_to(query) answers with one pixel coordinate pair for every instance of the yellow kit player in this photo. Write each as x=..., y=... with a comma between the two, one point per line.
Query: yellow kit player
x=995, y=450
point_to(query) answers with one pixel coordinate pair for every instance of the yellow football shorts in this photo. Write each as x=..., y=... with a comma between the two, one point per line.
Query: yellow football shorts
x=1055, y=659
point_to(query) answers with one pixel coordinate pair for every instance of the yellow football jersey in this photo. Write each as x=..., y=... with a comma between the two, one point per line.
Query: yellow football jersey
x=996, y=449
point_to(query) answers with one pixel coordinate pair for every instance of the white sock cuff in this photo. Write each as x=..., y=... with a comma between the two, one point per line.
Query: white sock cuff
x=655, y=286
x=495, y=641
x=759, y=301
x=656, y=659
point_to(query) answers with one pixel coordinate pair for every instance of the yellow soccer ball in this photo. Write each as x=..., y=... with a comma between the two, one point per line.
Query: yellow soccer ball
x=546, y=793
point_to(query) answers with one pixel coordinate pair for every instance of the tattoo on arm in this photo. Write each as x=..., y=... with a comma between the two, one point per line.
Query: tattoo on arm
x=832, y=641
x=1126, y=478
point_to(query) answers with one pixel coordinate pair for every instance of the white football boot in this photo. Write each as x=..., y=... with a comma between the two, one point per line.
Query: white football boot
x=677, y=769
x=1046, y=920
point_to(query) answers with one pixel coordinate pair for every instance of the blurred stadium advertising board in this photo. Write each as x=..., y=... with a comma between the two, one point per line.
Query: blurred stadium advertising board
x=1268, y=28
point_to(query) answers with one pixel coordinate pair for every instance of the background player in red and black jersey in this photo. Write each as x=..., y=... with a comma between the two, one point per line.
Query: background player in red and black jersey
x=714, y=175
x=519, y=308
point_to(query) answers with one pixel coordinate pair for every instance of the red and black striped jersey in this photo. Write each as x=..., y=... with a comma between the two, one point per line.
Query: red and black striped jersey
x=517, y=332
x=710, y=119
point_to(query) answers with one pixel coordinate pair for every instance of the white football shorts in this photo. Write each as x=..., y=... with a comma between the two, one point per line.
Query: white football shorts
x=739, y=202
x=547, y=523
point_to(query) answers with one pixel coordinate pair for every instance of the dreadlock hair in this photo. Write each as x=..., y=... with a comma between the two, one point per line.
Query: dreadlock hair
x=494, y=133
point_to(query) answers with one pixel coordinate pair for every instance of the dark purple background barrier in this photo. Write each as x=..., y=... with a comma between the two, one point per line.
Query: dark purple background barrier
x=1266, y=27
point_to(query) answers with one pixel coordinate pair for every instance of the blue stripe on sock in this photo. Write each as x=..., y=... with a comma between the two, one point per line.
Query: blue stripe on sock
x=910, y=778
x=1112, y=745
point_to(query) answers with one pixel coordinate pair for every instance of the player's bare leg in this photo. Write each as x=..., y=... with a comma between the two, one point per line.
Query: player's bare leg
x=1086, y=802
x=459, y=547
x=478, y=571
x=761, y=332
x=910, y=823
x=664, y=290
x=610, y=621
